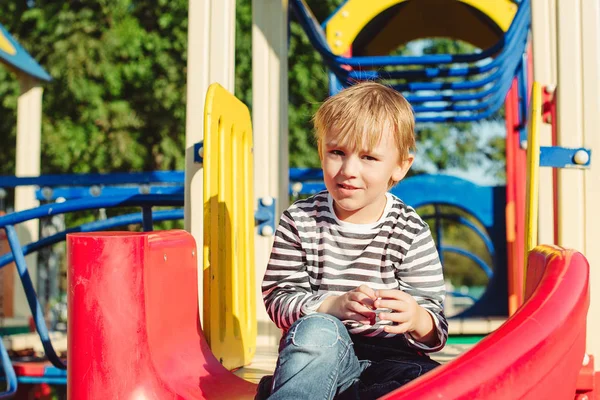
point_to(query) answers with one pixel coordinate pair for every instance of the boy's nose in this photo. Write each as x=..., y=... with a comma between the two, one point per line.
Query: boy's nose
x=349, y=167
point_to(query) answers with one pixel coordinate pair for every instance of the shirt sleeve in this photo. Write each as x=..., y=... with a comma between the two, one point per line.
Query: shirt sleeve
x=420, y=275
x=286, y=287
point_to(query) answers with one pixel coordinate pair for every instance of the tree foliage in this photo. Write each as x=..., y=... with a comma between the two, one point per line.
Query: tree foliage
x=117, y=99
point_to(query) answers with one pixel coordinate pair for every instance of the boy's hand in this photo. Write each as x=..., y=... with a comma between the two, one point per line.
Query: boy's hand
x=407, y=316
x=356, y=305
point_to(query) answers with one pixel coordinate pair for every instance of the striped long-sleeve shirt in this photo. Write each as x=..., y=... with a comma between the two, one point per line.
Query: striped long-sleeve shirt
x=315, y=255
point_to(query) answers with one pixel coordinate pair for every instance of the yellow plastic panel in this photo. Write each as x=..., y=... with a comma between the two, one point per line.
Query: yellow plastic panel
x=6, y=46
x=229, y=320
x=419, y=19
x=533, y=170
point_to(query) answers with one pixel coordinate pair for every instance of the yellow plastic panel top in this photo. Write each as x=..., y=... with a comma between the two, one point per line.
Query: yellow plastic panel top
x=229, y=320
x=533, y=169
x=420, y=19
x=6, y=46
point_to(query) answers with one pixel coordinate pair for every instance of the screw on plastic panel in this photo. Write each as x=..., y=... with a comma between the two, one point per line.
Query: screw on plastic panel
x=199, y=152
x=266, y=231
x=550, y=89
x=524, y=144
x=267, y=201
x=265, y=216
x=145, y=189
x=297, y=187
x=581, y=157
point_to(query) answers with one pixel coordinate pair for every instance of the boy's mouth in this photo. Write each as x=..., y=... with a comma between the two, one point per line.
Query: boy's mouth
x=346, y=186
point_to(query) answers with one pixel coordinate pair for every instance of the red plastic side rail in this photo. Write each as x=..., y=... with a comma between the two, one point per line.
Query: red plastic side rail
x=536, y=354
x=134, y=330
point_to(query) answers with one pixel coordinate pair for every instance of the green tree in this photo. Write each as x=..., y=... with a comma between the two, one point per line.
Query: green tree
x=117, y=99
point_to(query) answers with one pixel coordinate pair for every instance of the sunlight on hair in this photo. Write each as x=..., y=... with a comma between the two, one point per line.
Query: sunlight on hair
x=358, y=116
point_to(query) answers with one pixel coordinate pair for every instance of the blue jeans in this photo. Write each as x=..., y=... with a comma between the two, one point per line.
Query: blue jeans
x=319, y=360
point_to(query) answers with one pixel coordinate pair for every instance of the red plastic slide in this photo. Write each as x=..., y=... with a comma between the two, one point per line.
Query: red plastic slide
x=536, y=354
x=134, y=331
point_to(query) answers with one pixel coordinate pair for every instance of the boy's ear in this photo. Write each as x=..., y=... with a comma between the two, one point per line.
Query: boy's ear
x=402, y=168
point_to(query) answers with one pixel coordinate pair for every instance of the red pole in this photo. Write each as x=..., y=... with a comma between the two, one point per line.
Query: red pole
x=514, y=202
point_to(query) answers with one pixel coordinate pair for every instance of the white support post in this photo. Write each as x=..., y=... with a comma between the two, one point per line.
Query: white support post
x=29, y=128
x=590, y=36
x=578, y=79
x=570, y=122
x=544, y=71
x=211, y=58
x=270, y=128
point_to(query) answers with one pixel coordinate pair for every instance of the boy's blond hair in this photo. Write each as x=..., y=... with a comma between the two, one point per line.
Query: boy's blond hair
x=359, y=115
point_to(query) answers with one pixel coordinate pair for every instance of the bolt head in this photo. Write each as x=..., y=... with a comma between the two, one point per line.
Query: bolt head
x=267, y=201
x=524, y=144
x=266, y=231
x=581, y=157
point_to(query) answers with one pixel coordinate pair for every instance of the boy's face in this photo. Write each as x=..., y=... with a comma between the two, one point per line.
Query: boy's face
x=358, y=179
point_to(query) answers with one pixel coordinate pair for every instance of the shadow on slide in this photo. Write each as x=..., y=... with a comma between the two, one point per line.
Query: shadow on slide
x=134, y=331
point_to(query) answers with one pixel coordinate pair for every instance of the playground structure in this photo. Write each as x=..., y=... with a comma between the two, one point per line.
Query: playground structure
x=562, y=272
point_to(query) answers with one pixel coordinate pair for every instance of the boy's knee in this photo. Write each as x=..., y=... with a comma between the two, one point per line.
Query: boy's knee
x=318, y=330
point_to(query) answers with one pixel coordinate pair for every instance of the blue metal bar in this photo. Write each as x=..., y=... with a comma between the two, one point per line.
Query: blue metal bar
x=34, y=304
x=450, y=249
x=456, y=293
x=11, y=377
x=309, y=188
x=463, y=85
x=470, y=117
x=316, y=36
x=491, y=79
x=51, y=380
x=473, y=106
x=101, y=225
x=79, y=192
x=315, y=33
x=95, y=179
x=511, y=48
x=562, y=157
x=305, y=174
x=464, y=221
x=517, y=35
x=147, y=224
x=456, y=97
x=92, y=203
x=444, y=85
x=522, y=89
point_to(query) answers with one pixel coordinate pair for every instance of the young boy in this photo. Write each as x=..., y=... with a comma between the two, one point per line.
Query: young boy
x=354, y=279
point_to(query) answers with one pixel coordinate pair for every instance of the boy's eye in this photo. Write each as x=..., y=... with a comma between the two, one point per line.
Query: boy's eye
x=336, y=152
x=369, y=158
